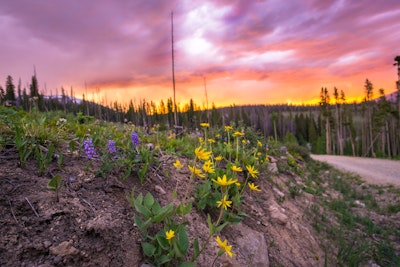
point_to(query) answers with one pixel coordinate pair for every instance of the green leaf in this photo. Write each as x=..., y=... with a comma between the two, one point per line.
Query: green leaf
x=138, y=221
x=143, y=210
x=162, y=241
x=183, y=209
x=211, y=226
x=196, y=248
x=164, y=212
x=148, y=201
x=220, y=227
x=163, y=259
x=148, y=249
x=178, y=252
x=187, y=264
x=156, y=207
x=183, y=241
x=55, y=183
x=139, y=199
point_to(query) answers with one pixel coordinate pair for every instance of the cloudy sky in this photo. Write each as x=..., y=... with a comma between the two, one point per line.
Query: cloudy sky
x=245, y=52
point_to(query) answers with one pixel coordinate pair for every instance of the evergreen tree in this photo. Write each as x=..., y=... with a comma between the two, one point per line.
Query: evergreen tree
x=2, y=95
x=10, y=89
x=34, y=88
x=325, y=110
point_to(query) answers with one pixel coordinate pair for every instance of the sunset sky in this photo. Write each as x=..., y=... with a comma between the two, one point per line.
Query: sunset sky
x=248, y=52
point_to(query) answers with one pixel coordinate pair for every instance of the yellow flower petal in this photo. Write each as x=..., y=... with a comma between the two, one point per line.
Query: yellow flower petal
x=253, y=187
x=169, y=234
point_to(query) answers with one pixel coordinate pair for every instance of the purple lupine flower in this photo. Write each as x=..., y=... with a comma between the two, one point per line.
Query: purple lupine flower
x=135, y=139
x=89, y=148
x=111, y=147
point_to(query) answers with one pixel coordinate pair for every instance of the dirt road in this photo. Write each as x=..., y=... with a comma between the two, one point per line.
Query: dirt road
x=374, y=171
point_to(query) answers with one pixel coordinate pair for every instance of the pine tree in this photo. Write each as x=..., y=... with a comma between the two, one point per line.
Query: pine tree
x=2, y=95
x=325, y=110
x=34, y=88
x=10, y=89
x=369, y=93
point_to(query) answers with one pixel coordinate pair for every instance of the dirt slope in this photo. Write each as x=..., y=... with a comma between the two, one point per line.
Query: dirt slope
x=374, y=171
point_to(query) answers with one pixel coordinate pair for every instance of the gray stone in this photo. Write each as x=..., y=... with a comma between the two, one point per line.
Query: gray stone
x=63, y=249
x=277, y=214
x=252, y=245
x=273, y=167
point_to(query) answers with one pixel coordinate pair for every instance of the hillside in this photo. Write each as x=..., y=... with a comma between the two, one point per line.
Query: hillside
x=307, y=214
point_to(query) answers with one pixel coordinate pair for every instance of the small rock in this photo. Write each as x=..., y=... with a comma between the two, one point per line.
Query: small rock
x=47, y=244
x=277, y=214
x=160, y=190
x=359, y=203
x=150, y=146
x=63, y=249
x=273, y=167
x=272, y=159
x=252, y=245
x=278, y=192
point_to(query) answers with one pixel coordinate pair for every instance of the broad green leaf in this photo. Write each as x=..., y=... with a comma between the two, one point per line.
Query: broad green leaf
x=148, y=249
x=148, y=201
x=164, y=212
x=55, y=182
x=138, y=221
x=162, y=241
x=163, y=259
x=139, y=199
x=178, y=252
x=156, y=207
x=183, y=209
x=220, y=227
x=143, y=210
x=183, y=241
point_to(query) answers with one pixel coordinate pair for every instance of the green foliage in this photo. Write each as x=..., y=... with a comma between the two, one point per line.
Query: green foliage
x=55, y=184
x=44, y=156
x=151, y=216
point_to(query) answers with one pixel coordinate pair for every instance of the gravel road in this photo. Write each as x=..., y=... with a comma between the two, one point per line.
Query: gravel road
x=373, y=171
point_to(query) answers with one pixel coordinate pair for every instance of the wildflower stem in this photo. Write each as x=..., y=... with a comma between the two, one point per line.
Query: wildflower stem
x=244, y=185
x=210, y=235
x=215, y=261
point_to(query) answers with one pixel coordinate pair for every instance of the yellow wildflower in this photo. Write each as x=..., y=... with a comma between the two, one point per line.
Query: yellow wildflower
x=228, y=128
x=178, y=164
x=252, y=171
x=235, y=134
x=196, y=171
x=223, y=181
x=219, y=158
x=244, y=142
x=169, y=234
x=204, y=124
x=224, y=203
x=208, y=167
x=202, y=154
x=253, y=187
x=210, y=140
x=224, y=246
x=236, y=168
x=237, y=184
x=217, y=136
x=259, y=143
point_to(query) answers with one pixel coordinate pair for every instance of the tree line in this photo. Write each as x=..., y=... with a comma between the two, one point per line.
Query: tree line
x=370, y=128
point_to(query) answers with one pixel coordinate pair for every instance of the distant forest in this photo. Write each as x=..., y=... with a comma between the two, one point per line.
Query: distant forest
x=369, y=129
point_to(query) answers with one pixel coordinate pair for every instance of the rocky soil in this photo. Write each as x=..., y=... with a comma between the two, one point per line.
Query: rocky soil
x=92, y=224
